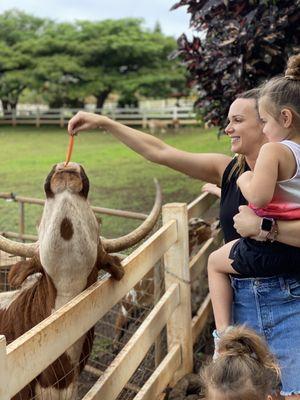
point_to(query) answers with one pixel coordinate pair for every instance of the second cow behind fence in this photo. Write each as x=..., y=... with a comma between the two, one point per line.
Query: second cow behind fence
x=65, y=260
x=160, y=126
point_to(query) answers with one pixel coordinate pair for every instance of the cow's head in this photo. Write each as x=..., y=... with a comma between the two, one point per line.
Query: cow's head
x=71, y=177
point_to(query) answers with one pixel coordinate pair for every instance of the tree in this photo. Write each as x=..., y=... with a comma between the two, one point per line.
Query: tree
x=58, y=73
x=67, y=62
x=17, y=33
x=240, y=44
x=120, y=56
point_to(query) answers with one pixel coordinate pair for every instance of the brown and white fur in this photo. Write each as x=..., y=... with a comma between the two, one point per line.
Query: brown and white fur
x=69, y=257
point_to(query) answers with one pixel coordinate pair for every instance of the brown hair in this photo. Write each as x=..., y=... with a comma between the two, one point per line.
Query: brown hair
x=245, y=368
x=284, y=91
x=240, y=165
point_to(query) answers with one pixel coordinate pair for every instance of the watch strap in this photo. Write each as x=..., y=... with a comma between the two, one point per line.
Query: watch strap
x=265, y=234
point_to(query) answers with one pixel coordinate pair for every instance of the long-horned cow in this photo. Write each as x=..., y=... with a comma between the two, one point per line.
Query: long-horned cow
x=65, y=260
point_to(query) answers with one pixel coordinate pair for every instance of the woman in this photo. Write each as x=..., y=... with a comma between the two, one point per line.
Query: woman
x=273, y=191
x=245, y=132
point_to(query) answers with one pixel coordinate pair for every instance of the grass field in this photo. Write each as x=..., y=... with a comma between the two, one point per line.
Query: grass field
x=119, y=178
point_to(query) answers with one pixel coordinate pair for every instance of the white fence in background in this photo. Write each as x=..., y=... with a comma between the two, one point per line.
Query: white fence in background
x=130, y=116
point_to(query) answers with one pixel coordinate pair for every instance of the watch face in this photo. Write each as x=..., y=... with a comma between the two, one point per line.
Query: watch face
x=266, y=224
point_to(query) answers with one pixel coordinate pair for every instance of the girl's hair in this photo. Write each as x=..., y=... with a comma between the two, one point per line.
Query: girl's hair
x=284, y=91
x=245, y=368
x=240, y=165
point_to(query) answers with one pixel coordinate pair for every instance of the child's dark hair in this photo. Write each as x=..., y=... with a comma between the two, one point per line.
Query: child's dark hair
x=244, y=370
x=283, y=91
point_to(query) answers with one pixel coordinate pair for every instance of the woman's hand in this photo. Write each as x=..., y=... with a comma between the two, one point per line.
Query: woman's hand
x=83, y=121
x=246, y=222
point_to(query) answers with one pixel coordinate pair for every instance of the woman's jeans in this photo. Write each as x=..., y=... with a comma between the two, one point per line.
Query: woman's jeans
x=271, y=306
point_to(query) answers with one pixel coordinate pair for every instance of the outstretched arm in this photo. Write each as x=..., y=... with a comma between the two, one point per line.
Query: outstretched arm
x=206, y=167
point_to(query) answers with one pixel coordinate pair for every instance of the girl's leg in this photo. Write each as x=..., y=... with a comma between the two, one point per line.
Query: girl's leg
x=219, y=266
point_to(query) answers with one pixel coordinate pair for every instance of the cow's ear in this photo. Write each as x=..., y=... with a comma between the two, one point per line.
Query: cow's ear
x=111, y=264
x=21, y=270
x=47, y=184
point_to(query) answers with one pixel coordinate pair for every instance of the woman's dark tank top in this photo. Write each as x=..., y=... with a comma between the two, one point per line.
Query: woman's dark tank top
x=231, y=199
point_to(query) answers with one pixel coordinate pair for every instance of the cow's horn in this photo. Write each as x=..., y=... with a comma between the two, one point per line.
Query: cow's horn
x=17, y=248
x=123, y=242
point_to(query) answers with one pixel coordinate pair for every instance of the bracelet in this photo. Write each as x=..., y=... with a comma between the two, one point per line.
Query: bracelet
x=272, y=235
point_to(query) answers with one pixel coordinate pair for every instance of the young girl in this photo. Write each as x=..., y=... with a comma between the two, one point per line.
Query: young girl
x=273, y=191
x=244, y=370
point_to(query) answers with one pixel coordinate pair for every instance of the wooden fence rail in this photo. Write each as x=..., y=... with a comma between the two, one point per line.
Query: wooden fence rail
x=128, y=116
x=31, y=353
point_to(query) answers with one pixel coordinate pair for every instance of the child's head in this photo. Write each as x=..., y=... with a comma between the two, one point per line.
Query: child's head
x=279, y=102
x=244, y=370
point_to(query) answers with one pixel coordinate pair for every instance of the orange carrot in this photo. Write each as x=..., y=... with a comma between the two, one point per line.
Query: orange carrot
x=70, y=149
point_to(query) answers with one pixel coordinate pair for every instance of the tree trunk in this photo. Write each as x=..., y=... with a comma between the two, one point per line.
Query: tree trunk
x=102, y=97
x=5, y=107
x=8, y=107
x=13, y=105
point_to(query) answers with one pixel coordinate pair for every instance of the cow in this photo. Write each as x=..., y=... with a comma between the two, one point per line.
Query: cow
x=199, y=232
x=160, y=126
x=65, y=261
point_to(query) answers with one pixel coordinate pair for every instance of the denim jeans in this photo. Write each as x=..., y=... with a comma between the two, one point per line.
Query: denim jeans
x=271, y=306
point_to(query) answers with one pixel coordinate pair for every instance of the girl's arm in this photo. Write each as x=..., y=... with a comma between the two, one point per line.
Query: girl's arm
x=258, y=186
x=206, y=167
x=211, y=188
x=247, y=224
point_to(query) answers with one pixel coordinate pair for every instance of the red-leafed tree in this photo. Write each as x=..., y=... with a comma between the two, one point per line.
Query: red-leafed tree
x=240, y=44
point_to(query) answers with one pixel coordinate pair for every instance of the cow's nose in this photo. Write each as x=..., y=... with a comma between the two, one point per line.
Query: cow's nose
x=69, y=168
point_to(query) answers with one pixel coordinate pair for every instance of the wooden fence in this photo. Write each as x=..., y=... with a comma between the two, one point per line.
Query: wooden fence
x=128, y=116
x=22, y=360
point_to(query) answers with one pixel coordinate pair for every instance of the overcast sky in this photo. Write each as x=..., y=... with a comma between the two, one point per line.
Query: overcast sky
x=172, y=22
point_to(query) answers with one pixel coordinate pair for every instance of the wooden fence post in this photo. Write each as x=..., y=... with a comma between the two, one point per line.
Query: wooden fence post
x=175, y=113
x=144, y=120
x=158, y=292
x=61, y=117
x=4, y=378
x=176, y=260
x=14, y=117
x=21, y=220
x=37, y=118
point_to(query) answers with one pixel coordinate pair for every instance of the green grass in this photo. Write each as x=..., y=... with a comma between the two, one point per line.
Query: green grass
x=119, y=177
